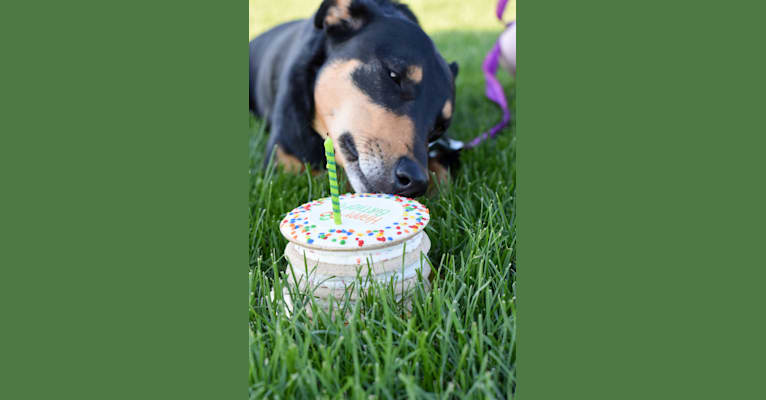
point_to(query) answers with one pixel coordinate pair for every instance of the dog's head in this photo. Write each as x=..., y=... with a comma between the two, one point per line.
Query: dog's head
x=382, y=94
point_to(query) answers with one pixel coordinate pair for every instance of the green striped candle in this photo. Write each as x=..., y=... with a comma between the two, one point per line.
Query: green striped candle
x=329, y=152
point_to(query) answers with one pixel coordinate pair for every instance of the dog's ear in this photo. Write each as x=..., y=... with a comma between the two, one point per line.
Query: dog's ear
x=341, y=17
x=407, y=12
x=454, y=68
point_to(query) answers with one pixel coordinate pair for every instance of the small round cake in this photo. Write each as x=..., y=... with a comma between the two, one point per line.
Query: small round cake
x=380, y=239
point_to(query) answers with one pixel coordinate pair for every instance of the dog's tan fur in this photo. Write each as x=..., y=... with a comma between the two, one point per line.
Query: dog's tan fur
x=447, y=110
x=415, y=73
x=289, y=163
x=341, y=107
x=340, y=12
x=441, y=173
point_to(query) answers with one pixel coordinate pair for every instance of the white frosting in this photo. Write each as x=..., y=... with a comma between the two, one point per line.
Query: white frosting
x=398, y=275
x=367, y=218
x=360, y=256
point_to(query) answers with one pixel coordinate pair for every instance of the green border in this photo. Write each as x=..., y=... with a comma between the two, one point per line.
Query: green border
x=640, y=206
x=124, y=218
x=123, y=152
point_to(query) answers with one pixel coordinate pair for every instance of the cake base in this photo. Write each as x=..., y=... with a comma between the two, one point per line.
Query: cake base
x=337, y=305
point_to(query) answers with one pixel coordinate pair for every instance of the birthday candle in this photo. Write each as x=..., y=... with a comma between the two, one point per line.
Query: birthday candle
x=330, y=154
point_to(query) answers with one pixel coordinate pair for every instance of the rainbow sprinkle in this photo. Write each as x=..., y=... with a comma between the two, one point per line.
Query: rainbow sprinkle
x=297, y=227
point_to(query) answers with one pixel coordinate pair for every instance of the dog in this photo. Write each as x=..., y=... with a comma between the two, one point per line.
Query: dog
x=364, y=73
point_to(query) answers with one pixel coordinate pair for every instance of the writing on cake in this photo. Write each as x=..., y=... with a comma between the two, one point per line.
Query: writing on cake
x=359, y=212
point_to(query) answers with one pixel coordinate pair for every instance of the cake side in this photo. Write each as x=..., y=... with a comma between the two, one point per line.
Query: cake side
x=363, y=262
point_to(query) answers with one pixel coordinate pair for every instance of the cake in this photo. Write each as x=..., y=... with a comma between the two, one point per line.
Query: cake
x=381, y=238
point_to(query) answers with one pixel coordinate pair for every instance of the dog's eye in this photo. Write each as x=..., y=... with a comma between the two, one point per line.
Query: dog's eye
x=394, y=77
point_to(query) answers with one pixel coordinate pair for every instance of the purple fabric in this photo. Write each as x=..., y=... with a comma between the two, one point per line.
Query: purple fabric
x=500, y=8
x=494, y=89
x=495, y=93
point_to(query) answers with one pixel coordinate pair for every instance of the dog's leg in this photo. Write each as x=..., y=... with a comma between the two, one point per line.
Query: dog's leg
x=292, y=112
x=290, y=163
x=292, y=139
x=439, y=173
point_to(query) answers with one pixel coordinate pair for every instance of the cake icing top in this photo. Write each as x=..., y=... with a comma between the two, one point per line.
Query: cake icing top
x=370, y=220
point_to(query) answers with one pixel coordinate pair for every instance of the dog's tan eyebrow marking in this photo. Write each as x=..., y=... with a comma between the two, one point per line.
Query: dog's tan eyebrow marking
x=447, y=110
x=340, y=12
x=415, y=73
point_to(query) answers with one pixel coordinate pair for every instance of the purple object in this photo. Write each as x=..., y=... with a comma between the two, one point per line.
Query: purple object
x=494, y=88
x=495, y=93
x=500, y=8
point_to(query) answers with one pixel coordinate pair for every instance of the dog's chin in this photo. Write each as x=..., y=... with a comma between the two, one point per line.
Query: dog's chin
x=356, y=178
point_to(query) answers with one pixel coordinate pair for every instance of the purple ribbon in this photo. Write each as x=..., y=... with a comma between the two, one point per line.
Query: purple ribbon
x=500, y=8
x=494, y=89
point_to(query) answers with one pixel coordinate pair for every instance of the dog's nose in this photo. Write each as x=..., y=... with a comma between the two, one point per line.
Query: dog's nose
x=409, y=179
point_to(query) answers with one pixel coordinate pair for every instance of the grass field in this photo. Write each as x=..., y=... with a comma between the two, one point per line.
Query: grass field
x=460, y=340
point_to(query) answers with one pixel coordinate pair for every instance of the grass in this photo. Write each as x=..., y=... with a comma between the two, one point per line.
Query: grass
x=460, y=340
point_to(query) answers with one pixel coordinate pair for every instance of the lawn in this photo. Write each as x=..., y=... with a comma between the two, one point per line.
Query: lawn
x=460, y=339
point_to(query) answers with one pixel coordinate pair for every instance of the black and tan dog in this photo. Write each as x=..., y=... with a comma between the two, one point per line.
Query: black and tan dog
x=365, y=73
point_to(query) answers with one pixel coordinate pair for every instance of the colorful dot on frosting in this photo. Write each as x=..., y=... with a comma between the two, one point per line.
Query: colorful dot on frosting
x=299, y=226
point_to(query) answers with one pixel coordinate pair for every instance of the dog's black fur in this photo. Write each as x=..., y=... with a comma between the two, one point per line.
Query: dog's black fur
x=374, y=50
